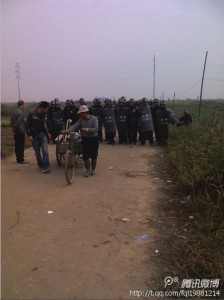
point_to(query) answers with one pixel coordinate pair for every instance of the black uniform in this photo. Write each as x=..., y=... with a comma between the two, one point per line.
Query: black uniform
x=163, y=120
x=70, y=112
x=122, y=114
x=186, y=119
x=145, y=124
x=109, y=123
x=51, y=118
x=132, y=125
x=154, y=110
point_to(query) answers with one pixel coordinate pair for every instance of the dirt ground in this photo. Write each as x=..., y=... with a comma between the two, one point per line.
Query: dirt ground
x=83, y=250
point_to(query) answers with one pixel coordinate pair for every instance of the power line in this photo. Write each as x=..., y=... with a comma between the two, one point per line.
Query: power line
x=202, y=81
x=190, y=88
x=214, y=79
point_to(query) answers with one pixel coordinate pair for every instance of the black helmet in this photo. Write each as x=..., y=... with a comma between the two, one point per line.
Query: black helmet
x=96, y=101
x=107, y=101
x=68, y=102
x=82, y=101
x=162, y=104
x=144, y=100
x=156, y=101
x=123, y=98
x=140, y=102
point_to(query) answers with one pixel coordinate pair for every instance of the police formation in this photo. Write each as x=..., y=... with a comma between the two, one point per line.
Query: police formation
x=133, y=121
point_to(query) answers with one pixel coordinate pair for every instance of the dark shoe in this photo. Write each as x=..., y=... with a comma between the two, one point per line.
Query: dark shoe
x=87, y=165
x=23, y=162
x=93, y=167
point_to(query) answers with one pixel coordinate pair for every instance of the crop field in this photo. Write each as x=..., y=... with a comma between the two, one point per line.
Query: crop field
x=207, y=108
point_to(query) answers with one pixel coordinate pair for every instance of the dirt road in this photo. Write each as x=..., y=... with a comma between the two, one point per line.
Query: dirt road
x=83, y=250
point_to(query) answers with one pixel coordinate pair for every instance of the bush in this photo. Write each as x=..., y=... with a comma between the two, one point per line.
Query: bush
x=197, y=155
x=5, y=123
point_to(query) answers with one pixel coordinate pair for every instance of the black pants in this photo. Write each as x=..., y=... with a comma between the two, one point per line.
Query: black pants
x=123, y=139
x=147, y=135
x=19, y=146
x=100, y=134
x=90, y=146
x=132, y=135
x=111, y=136
x=157, y=135
x=163, y=135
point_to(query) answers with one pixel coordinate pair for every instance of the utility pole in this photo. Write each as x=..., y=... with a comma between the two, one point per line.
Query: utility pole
x=174, y=98
x=202, y=81
x=18, y=77
x=154, y=74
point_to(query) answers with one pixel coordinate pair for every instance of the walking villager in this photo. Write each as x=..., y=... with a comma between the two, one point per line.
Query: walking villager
x=145, y=123
x=17, y=123
x=88, y=125
x=38, y=130
x=109, y=121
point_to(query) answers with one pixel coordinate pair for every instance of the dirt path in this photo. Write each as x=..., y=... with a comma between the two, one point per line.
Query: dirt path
x=83, y=250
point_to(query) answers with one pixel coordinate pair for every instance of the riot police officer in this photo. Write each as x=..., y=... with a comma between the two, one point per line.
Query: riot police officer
x=132, y=123
x=154, y=109
x=145, y=123
x=109, y=121
x=97, y=111
x=70, y=112
x=163, y=120
x=52, y=115
x=122, y=114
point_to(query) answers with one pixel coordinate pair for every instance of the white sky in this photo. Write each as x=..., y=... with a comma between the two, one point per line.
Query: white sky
x=85, y=48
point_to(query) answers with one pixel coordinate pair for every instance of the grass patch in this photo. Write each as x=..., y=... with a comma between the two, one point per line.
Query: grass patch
x=196, y=156
x=5, y=122
x=190, y=218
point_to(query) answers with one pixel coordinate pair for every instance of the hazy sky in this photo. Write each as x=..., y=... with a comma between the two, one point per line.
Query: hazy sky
x=86, y=48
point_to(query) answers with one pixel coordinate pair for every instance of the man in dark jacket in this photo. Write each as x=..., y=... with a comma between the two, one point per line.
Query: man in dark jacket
x=38, y=131
x=17, y=122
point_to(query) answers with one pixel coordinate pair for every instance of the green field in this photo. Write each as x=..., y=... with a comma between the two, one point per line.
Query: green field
x=207, y=108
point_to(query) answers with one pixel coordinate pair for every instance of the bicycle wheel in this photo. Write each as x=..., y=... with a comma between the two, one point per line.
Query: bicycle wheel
x=69, y=166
